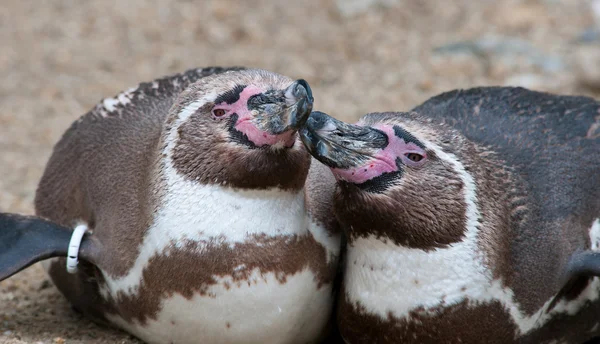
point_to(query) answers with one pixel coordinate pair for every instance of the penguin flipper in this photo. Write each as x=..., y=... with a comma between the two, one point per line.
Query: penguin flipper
x=584, y=264
x=25, y=240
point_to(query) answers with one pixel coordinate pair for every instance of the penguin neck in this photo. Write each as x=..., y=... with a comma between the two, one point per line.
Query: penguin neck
x=218, y=209
x=489, y=191
x=226, y=212
x=387, y=277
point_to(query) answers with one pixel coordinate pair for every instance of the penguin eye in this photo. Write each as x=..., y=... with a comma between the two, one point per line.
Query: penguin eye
x=218, y=112
x=414, y=157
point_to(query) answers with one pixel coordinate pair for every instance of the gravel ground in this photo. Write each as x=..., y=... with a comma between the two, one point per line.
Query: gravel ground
x=58, y=58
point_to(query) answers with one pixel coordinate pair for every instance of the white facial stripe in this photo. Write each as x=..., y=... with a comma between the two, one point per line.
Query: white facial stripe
x=404, y=279
x=472, y=213
x=183, y=116
x=191, y=108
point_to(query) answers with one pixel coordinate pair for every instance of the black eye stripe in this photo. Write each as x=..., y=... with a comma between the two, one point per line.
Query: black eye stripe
x=236, y=135
x=407, y=137
x=231, y=96
x=399, y=163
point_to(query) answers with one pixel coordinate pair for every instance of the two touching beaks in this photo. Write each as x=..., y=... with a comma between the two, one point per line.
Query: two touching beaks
x=338, y=145
x=334, y=143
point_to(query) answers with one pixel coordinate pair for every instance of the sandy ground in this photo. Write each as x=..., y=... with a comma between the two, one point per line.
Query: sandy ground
x=58, y=58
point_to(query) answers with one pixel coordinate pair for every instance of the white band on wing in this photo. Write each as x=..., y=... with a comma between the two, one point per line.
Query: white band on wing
x=73, y=252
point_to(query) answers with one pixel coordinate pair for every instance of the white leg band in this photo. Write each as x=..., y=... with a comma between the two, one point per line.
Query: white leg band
x=73, y=252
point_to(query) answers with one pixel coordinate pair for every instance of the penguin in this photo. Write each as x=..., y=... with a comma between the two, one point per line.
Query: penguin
x=472, y=218
x=182, y=211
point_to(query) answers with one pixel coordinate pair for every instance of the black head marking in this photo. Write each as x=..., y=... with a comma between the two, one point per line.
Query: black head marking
x=231, y=96
x=236, y=135
x=407, y=137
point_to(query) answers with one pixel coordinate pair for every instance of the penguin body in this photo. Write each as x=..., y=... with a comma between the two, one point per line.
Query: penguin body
x=472, y=219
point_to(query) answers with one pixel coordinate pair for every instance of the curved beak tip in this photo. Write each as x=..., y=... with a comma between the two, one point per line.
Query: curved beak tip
x=303, y=88
x=301, y=94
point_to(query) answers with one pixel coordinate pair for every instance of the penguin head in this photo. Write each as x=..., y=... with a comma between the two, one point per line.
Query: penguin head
x=239, y=128
x=397, y=176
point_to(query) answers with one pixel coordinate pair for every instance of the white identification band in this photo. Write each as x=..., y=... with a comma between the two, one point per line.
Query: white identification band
x=73, y=252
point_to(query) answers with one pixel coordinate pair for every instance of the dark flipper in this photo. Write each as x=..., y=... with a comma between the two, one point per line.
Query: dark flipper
x=578, y=273
x=25, y=240
x=584, y=263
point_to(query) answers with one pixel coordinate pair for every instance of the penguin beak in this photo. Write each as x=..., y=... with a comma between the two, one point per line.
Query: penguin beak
x=285, y=111
x=338, y=144
x=299, y=101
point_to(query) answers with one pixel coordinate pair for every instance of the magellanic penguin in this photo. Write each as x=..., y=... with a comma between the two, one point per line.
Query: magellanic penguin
x=471, y=219
x=201, y=229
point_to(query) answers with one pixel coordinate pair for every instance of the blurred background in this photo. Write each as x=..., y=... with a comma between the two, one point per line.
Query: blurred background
x=59, y=58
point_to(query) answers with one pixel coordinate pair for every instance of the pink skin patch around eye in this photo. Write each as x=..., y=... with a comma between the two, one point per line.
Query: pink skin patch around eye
x=244, y=123
x=384, y=161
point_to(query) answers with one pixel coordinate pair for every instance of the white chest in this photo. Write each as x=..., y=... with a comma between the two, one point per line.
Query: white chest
x=260, y=309
x=263, y=312
x=201, y=213
x=387, y=279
